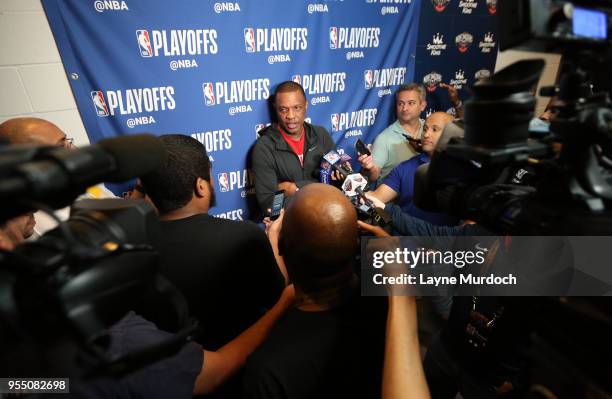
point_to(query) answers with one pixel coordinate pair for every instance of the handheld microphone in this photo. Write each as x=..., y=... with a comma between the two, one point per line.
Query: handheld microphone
x=338, y=162
x=353, y=184
x=353, y=187
x=379, y=215
x=345, y=163
x=56, y=176
x=325, y=172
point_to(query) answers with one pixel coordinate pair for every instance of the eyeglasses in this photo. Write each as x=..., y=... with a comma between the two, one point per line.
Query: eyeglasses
x=66, y=142
x=138, y=191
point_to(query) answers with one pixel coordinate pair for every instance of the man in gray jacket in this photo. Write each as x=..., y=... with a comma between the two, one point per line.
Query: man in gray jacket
x=288, y=153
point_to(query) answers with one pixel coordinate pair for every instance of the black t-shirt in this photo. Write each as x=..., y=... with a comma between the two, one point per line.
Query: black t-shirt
x=171, y=377
x=331, y=354
x=225, y=269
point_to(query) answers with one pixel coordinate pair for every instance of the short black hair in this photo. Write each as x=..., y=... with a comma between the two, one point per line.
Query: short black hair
x=287, y=87
x=172, y=185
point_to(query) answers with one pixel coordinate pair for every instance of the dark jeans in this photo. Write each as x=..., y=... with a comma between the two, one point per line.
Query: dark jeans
x=446, y=377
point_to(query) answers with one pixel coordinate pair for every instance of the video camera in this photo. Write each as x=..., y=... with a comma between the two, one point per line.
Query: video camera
x=77, y=280
x=499, y=176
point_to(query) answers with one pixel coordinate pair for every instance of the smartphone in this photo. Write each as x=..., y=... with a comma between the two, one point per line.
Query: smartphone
x=361, y=148
x=277, y=204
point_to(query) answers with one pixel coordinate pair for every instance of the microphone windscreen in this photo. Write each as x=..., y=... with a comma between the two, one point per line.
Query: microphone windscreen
x=134, y=155
x=332, y=157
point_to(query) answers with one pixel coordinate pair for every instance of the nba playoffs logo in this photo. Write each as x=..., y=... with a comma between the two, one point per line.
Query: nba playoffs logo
x=492, y=6
x=98, y=100
x=224, y=185
x=368, y=78
x=249, y=40
x=463, y=41
x=209, y=94
x=431, y=81
x=439, y=5
x=335, y=121
x=144, y=43
x=297, y=79
x=333, y=37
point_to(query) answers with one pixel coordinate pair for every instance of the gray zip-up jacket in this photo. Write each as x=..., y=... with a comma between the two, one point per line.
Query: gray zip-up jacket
x=273, y=161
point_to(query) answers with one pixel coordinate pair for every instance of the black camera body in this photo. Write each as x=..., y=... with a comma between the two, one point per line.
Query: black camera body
x=85, y=274
x=491, y=170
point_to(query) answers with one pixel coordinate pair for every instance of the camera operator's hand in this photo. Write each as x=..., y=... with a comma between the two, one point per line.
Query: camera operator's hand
x=376, y=230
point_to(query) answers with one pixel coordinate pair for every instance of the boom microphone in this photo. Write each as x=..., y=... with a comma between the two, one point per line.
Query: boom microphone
x=56, y=176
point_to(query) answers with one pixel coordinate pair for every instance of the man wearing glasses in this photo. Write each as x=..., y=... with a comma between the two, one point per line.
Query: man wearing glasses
x=40, y=132
x=34, y=131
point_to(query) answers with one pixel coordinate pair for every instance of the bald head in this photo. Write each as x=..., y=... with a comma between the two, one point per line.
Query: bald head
x=434, y=126
x=31, y=131
x=319, y=234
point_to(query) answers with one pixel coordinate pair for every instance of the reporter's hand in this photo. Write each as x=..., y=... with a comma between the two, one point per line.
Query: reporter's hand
x=377, y=203
x=288, y=296
x=366, y=161
x=336, y=176
x=453, y=93
x=290, y=188
x=273, y=227
x=376, y=230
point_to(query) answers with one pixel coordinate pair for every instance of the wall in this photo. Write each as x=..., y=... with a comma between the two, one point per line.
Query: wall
x=505, y=58
x=32, y=76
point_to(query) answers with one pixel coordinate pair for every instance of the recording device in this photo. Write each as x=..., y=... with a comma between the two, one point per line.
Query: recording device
x=340, y=163
x=543, y=24
x=56, y=176
x=373, y=214
x=491, y=170
x=75, y=281
x=277, y=204
x=417, y=142
x=361, y=148
x=91, y=267
x=354, y=187
x=353, y=184
x=569, y=191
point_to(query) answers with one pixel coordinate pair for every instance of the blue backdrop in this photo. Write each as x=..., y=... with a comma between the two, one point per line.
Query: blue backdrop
x=456, y=45
x=206, y=68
